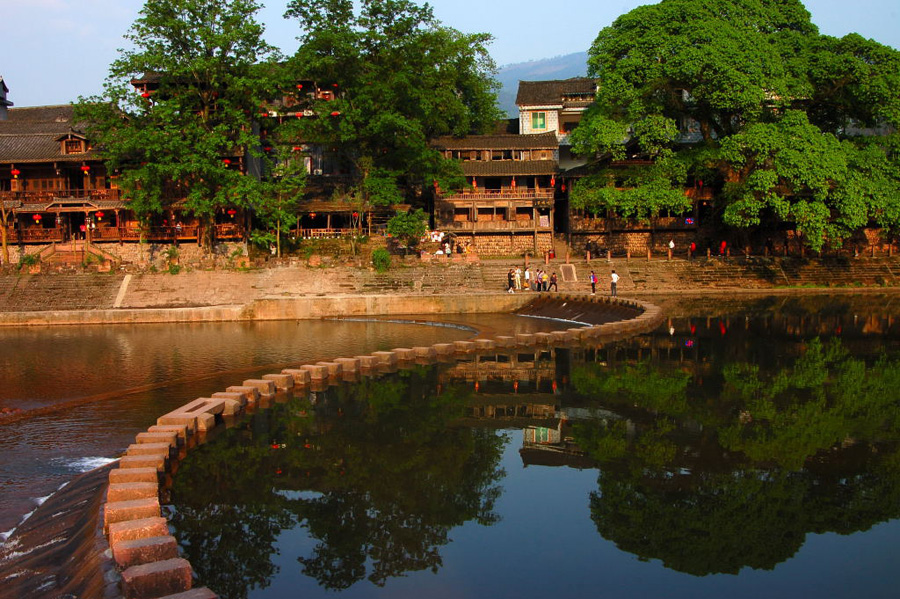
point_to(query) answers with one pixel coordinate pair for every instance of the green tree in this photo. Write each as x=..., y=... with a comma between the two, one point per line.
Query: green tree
x=408, y=227
x=281, y=188
x=769, y=112
x=401, y=79
x=184, y=140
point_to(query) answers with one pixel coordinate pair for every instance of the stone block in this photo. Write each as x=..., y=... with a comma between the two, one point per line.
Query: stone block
x=133, y=509
x=348, y=364
x=463, y=347
x=157, y=579
x=301, y=377
x=128, y=491
x=504, y=341
x=265, y=387
x=524, y=339
x=233, y=396
x=561, y=337
x=317, y=372
x=143, y=551
x=576, y=333
x=283, y=382
x=163, y=449
x=543, y=339
x=141, y=528
x=404, y=354
x=180, y=430
x=158, y=462
x=179, y=419
x=425, y=352
x=444, y=349
x=168, y=437
x=251, y=393
x=367, y=362
x=133, y=475
x=335, y=370
x=387, y=358
x=205, y=405
x=484, y=345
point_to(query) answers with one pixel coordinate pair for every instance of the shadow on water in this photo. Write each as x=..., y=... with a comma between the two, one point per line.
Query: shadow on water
x=732, y=453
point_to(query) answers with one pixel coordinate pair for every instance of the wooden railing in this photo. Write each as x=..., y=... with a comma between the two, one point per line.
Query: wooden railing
x=583, y=223
x=224, y=231
x=495, y=225
x=499, y=194
x=30, y=197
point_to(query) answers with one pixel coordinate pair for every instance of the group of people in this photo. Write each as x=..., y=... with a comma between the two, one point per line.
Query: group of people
x=539, y=280
x=613, y=283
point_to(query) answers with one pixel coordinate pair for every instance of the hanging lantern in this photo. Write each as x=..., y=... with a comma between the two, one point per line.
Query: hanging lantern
x=336, y=113
x=299, y=115
x=226, y=161
x=299, y=86
x=356, y=215
x=37, y=218
x=267, y=149
x=15, y=173
x=312, y=214
x=552, y=181
x=99, y=215
x=145, y=95
x=514, y=183
x=231, y=212
x=564, y=187
x=296, y=148
x=334, y=85
x=86, y=169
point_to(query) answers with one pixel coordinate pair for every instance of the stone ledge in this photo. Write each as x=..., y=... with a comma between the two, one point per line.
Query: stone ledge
x=157, y=579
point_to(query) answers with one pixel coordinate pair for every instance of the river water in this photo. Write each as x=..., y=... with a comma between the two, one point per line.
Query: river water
x=748, y=447
x=88, y=390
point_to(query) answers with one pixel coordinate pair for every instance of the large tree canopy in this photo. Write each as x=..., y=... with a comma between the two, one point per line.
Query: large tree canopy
x=183, y=140
x=785, y=124
x=403, y=79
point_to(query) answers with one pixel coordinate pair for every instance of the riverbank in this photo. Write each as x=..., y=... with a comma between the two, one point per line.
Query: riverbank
x=300, y=291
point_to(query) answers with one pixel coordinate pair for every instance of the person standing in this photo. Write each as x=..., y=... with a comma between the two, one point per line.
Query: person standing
x=528, y=278
x=613, y=281
x=553, y=285
x=510, y=281
x=593, y=283
x=518, y=277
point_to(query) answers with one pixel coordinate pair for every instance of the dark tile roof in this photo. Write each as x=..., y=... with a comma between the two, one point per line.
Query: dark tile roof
x=509, y=168
x=498, y=142
x=577, y=91
x=32, y=135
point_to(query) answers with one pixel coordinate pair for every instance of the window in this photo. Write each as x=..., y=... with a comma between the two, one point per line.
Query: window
x=74, y=146
x=538, y=120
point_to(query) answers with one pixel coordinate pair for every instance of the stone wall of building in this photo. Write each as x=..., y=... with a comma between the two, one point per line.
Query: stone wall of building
x=509, y=245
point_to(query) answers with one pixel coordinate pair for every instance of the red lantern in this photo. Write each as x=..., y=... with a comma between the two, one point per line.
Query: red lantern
x=514, y=183
x=15, y=172
x=299, y=86
x=99, y=215
x=552, y=181
x=336, y=113
x=355, y=214
x=299, y=115
x=296, y=148
x=231, y=212
x=226, y=161
x=334, y=85
x=145, y=95
x=37, y=218
x=312, y=214
x=267, y=149
x=85, y=169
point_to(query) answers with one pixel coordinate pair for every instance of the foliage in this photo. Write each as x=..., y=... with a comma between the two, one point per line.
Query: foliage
x=180, y=141
x=401, y=78
x=409, y=227
x=277, y=197
x=381, y=259
x=769, y=112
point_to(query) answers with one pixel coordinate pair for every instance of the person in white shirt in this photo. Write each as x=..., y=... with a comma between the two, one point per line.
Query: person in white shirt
x=613, y=279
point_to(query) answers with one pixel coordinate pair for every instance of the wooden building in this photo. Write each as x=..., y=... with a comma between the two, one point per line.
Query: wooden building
x=507, y=207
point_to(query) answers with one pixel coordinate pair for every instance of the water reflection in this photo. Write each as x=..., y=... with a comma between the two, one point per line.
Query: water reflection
x=716, y=445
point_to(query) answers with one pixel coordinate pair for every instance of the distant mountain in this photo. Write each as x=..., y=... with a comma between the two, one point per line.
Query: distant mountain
x=560, y=67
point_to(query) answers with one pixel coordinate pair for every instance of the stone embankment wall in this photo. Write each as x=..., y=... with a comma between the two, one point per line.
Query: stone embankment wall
x=141, y=544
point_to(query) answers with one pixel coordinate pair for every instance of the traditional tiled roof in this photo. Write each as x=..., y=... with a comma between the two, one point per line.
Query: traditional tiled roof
x=577, y=91
x=498, y=142
x=509, y=168
x=32, y=134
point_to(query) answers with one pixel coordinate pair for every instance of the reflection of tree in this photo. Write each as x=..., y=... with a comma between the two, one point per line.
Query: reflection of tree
x=375, y=476
x=714, y=481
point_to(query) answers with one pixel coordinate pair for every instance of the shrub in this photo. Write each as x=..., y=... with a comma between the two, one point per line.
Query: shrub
x=381, y=258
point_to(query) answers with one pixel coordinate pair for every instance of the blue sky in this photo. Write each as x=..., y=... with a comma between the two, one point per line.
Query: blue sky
x=56, y=50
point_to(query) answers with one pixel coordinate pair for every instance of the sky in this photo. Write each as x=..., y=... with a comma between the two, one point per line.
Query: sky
x=57, y=50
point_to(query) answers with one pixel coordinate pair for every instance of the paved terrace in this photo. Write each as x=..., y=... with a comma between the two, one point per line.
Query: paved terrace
x=194, y=289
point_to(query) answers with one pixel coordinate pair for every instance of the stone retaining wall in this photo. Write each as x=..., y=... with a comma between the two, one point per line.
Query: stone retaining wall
x=138, y=536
